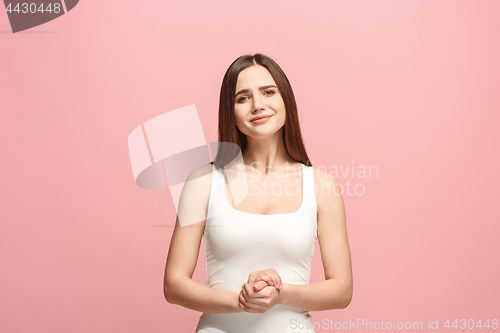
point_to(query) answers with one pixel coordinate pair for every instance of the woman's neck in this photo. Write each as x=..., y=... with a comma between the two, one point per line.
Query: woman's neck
x=267, y=155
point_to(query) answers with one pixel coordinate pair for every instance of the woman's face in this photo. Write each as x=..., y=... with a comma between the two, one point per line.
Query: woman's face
x=257, y=95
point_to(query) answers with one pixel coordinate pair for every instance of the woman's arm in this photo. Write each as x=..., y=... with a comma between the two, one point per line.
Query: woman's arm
x=336, y=291
x=178, y=286
x=180, y=289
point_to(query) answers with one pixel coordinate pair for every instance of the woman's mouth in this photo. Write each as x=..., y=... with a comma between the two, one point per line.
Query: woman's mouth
x=261, y=120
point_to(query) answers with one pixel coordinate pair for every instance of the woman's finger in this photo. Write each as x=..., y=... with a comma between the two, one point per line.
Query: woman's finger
x=264, y=277
x=260, y=285
x=249, y=306
x=256, y=296
x=277, y=277
x=271, y=277
x=248, y=294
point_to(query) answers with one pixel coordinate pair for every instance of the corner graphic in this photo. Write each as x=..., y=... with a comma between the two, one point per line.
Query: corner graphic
x=26, y=15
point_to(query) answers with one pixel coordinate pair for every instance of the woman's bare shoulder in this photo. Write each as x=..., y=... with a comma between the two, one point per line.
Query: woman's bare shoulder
x=201, y=172
x=322, y=177
x=200, y=180
x=327, y=189
x=193, y=204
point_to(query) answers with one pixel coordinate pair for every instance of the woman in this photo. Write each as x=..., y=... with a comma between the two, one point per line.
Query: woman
x=259, y=251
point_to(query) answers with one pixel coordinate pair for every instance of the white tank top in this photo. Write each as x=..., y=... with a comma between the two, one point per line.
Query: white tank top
x=238, y=243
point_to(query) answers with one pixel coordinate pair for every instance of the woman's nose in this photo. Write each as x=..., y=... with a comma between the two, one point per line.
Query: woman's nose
x=257, y=103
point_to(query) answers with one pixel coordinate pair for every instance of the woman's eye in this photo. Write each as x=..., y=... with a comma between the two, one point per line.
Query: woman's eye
x=242, y=99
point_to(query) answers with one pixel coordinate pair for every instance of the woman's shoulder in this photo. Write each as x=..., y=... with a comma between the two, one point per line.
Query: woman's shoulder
x=196, y=193
x=201, y=172
x=323, y=177
x=326, y=188
x=200, y=180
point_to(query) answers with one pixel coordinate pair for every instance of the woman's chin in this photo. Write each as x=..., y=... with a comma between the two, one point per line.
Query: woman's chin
x=262, y=134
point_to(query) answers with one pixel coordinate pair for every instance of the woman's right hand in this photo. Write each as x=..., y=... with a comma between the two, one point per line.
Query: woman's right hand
x=258, y=280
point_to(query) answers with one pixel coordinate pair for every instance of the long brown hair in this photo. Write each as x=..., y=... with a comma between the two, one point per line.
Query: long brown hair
x=229, y=133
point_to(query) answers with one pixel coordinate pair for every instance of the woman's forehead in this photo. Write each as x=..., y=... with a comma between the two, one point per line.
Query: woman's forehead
x=254, y=76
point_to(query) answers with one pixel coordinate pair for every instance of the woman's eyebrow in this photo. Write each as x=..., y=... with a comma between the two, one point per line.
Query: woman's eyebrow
x=243, y=91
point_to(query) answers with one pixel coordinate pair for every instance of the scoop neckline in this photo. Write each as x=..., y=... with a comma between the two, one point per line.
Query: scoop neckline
x=271, y=215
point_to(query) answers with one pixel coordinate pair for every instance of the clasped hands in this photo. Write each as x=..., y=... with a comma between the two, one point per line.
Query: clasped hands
x=261, y=292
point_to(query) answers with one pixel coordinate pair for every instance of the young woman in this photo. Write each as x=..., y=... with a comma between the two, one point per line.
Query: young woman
x=259, y=250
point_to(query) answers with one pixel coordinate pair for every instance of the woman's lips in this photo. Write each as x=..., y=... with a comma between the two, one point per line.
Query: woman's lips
x=261, y=120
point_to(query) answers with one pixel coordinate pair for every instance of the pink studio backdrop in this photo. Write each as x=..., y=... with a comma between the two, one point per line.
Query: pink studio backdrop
x=410, y=87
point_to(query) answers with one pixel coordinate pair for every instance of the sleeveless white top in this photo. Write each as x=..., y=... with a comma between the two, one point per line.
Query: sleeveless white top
x=238, y=243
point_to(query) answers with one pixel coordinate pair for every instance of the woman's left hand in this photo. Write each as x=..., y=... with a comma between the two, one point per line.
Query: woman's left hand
x=260, y=301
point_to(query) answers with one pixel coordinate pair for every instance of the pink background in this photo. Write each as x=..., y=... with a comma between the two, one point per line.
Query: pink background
x=411, y=87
